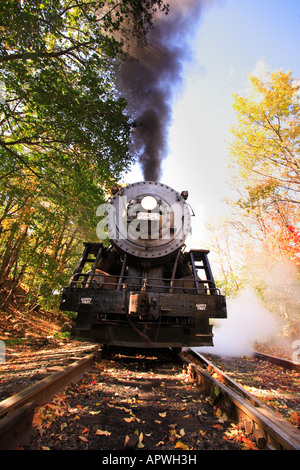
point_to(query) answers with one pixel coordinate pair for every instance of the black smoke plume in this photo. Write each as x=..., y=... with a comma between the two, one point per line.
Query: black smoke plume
x=150, y=76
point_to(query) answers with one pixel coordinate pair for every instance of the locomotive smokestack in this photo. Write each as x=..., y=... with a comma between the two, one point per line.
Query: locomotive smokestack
x=149, y=77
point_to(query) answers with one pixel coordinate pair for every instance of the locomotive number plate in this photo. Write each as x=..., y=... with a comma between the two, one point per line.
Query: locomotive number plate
x=148, y=216
x=201, y=306
x=86, y=300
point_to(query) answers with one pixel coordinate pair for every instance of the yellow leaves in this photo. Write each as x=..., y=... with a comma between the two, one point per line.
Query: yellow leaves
x=175, y=435
x=160, y=443
x=218, y=426
x=99, y=432
x=274, y=93
x=270, y=109
x=132, y=418
x=264, y=150
x=295, y=419
x=234, y=433
x=127, y=410
x=181, y=446
x=122, y=408
x=222, y=417
x=140, y=443
x=209, y=400
x=37, y=420
x=63, y=426
x=129, y=420
x=83, y=438
x=47, y=414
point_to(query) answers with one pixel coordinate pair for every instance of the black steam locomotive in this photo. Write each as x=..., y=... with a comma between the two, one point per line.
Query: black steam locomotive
x=144, y=289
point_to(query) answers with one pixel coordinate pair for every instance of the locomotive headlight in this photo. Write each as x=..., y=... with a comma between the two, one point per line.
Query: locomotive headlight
x=148, y=203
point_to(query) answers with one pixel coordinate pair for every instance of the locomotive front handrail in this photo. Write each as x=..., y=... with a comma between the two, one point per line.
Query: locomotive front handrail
x=84, y=282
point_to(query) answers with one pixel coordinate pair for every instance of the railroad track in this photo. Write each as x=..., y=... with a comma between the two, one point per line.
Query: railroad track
x=16, y=412
x=257, y=421
x=279, y=361
x=134, y=400
x=266, y=427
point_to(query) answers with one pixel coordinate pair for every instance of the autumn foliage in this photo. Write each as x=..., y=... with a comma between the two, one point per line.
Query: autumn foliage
x=283, y=240
x=265, y=161
x=64, y=135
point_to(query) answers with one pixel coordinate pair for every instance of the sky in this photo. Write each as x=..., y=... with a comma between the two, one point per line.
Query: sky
x=234, y=38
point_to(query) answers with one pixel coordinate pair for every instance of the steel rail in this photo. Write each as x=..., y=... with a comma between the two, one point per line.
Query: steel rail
x=262, y=424
x=16, y=412
x=279, y=361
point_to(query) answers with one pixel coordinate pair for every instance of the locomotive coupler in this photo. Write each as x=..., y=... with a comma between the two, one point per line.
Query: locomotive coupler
x=139, y=303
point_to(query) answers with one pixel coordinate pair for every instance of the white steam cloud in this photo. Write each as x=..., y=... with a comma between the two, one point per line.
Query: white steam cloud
x=248, y=321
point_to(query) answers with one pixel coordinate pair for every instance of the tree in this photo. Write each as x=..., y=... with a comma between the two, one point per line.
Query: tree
x=228, y=255
x=265, y=158
x=64, y=134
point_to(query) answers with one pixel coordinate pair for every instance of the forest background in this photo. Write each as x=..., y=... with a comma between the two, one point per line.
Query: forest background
x=65, y=139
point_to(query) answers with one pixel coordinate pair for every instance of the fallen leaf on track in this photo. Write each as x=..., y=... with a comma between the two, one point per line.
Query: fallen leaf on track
x=295, y=419
x=160, y=443
x=37, y=420
x=140, y=444
x=180, y=445
x=218, y=426
x=99, y=432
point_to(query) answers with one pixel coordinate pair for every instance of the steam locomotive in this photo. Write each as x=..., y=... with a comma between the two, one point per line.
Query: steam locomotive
x=144, y=290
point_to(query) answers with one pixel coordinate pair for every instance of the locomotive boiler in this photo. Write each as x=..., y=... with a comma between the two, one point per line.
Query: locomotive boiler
x=144, y=289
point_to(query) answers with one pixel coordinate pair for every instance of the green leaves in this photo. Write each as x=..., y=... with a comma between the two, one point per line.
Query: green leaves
x=64, y=132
